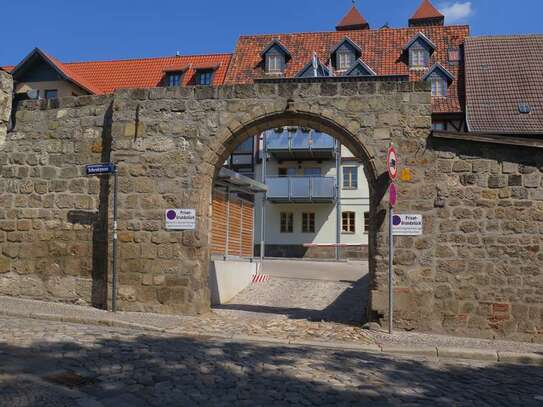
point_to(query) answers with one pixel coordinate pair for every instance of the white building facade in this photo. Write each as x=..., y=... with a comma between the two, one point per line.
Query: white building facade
x=300, y=219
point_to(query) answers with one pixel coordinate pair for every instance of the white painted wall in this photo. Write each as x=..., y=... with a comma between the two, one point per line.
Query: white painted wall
x=325, y=213
x=228, y=277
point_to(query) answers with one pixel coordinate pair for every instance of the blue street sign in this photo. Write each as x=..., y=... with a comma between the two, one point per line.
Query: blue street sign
x=99, y=169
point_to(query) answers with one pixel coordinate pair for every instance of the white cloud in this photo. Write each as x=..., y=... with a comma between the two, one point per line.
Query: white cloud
x=456, y=11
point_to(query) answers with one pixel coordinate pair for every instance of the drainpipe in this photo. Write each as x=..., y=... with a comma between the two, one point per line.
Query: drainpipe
x=338, y=199
x=263, y=210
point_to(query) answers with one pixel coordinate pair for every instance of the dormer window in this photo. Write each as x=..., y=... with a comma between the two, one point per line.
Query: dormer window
x=439, y=86
x=440, y=80
x=419, y=50
x=360, y=68
x=275, y=57
x=418, y=57
x=274, y=63
x=344, y=55
x=204, y=77
x=173, y=78
x=345, y=60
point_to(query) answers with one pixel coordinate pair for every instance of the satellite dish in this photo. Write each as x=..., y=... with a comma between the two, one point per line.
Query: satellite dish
x=33, y=94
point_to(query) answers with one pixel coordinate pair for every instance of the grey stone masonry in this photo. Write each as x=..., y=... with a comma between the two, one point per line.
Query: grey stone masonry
x=474, y=270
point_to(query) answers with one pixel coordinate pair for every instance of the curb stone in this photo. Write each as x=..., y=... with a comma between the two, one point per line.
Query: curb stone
x=440, y=353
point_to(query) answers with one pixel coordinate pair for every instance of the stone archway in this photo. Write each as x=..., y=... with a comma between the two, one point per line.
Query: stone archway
x=234, y=136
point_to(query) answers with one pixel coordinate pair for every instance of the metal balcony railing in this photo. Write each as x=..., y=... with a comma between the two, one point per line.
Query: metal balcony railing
x=299, y=140
x=301, y=189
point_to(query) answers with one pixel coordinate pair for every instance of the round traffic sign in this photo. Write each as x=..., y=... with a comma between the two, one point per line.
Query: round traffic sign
x=392, y=163
x=392, y=195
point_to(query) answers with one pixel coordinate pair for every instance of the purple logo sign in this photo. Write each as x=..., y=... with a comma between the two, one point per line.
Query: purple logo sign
x=396, y=220
x=171, y=215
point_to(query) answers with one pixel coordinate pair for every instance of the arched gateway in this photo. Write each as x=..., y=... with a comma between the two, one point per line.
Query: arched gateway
x=480, y=202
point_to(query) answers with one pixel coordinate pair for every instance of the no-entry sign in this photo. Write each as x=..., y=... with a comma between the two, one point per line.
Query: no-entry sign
x=392, y=163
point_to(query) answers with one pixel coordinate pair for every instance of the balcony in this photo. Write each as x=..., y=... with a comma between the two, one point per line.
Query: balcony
x=301, y=189
x=300, y=145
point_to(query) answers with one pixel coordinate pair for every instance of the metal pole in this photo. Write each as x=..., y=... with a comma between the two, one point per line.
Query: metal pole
x=390, y=271
x=227, y=223
x=114, y=265
x=263, y=209
x=338, y=198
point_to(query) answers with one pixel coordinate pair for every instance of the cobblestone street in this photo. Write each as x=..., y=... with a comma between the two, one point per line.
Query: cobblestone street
x=60, y=364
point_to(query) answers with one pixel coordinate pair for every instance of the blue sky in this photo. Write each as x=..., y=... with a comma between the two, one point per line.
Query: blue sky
x=112, y=29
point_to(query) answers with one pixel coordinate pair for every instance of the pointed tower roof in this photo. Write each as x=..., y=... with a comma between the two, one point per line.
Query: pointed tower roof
x=426, y=14
x=353, y=20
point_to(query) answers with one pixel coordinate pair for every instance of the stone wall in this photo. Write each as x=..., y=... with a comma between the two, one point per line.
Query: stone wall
x=475, y=269
x=6, y=91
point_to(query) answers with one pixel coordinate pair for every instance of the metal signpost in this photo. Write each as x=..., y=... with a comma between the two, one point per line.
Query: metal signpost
x=106, y=169
x=392, y=167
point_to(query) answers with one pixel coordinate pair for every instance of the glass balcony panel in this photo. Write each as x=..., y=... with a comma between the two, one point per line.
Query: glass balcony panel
x=277, y=141
x=277, y=187
x=242, y=159
x=322, y=141
x=323, y=187
x=300, y=187
x=300, y=140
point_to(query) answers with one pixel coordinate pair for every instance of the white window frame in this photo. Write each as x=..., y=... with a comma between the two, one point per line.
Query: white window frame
x=352, y=173
x=439, y=87
x=349, y=227
x=288, y=218
x=274, y=63
x=345, y=60
x=417, y=57
x=308, y=222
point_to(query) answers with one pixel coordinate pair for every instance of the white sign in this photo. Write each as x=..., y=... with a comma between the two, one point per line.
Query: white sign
x=407, y=225
x=180, y=219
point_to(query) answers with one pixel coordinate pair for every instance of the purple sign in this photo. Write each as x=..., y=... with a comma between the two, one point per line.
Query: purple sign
x=170, y=214
x=392, y=195
x=396, y=220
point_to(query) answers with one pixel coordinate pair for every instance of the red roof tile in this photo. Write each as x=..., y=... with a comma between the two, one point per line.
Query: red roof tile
x=149, y=72
x=353, y=20
x=381, y=49
x=426, y=10
x=502, y=74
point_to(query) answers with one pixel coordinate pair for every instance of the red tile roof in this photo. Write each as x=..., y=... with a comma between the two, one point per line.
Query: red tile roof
x=353, y=20
x=381, y=49
x=426, y=10
x=7, y=68
x=148, y=72
x=102, y=77
x=501, y=74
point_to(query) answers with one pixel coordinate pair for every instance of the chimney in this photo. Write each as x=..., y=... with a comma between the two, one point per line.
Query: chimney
x=353, y=20
x=426, y=15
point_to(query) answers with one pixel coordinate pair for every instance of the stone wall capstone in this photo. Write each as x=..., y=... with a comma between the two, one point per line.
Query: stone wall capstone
x=475, y=270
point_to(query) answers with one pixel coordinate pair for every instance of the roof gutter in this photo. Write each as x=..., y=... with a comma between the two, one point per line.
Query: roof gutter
x=533, y=142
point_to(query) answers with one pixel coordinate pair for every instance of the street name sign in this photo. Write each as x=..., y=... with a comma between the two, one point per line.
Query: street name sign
x=99, y=169
x=180, y=219
x=406, y=225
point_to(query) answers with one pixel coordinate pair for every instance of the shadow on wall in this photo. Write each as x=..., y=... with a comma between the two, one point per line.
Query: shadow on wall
x=348, y=308
x=179, y=371
x=99, y=222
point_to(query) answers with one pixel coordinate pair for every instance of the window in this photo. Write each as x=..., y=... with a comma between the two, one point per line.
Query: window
x=308, y=222
x=312, y=172
x=439, y=87
x=287, y=172
x=287, y=222
x=350, y=178
x=345, y=60
x=417, y=57
x=173, y=79
x=439, y=126
x=51, y=94
x=347, y=224
x=454, y=56
x=204, y=78
x=366, y=222
x=274, y=63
